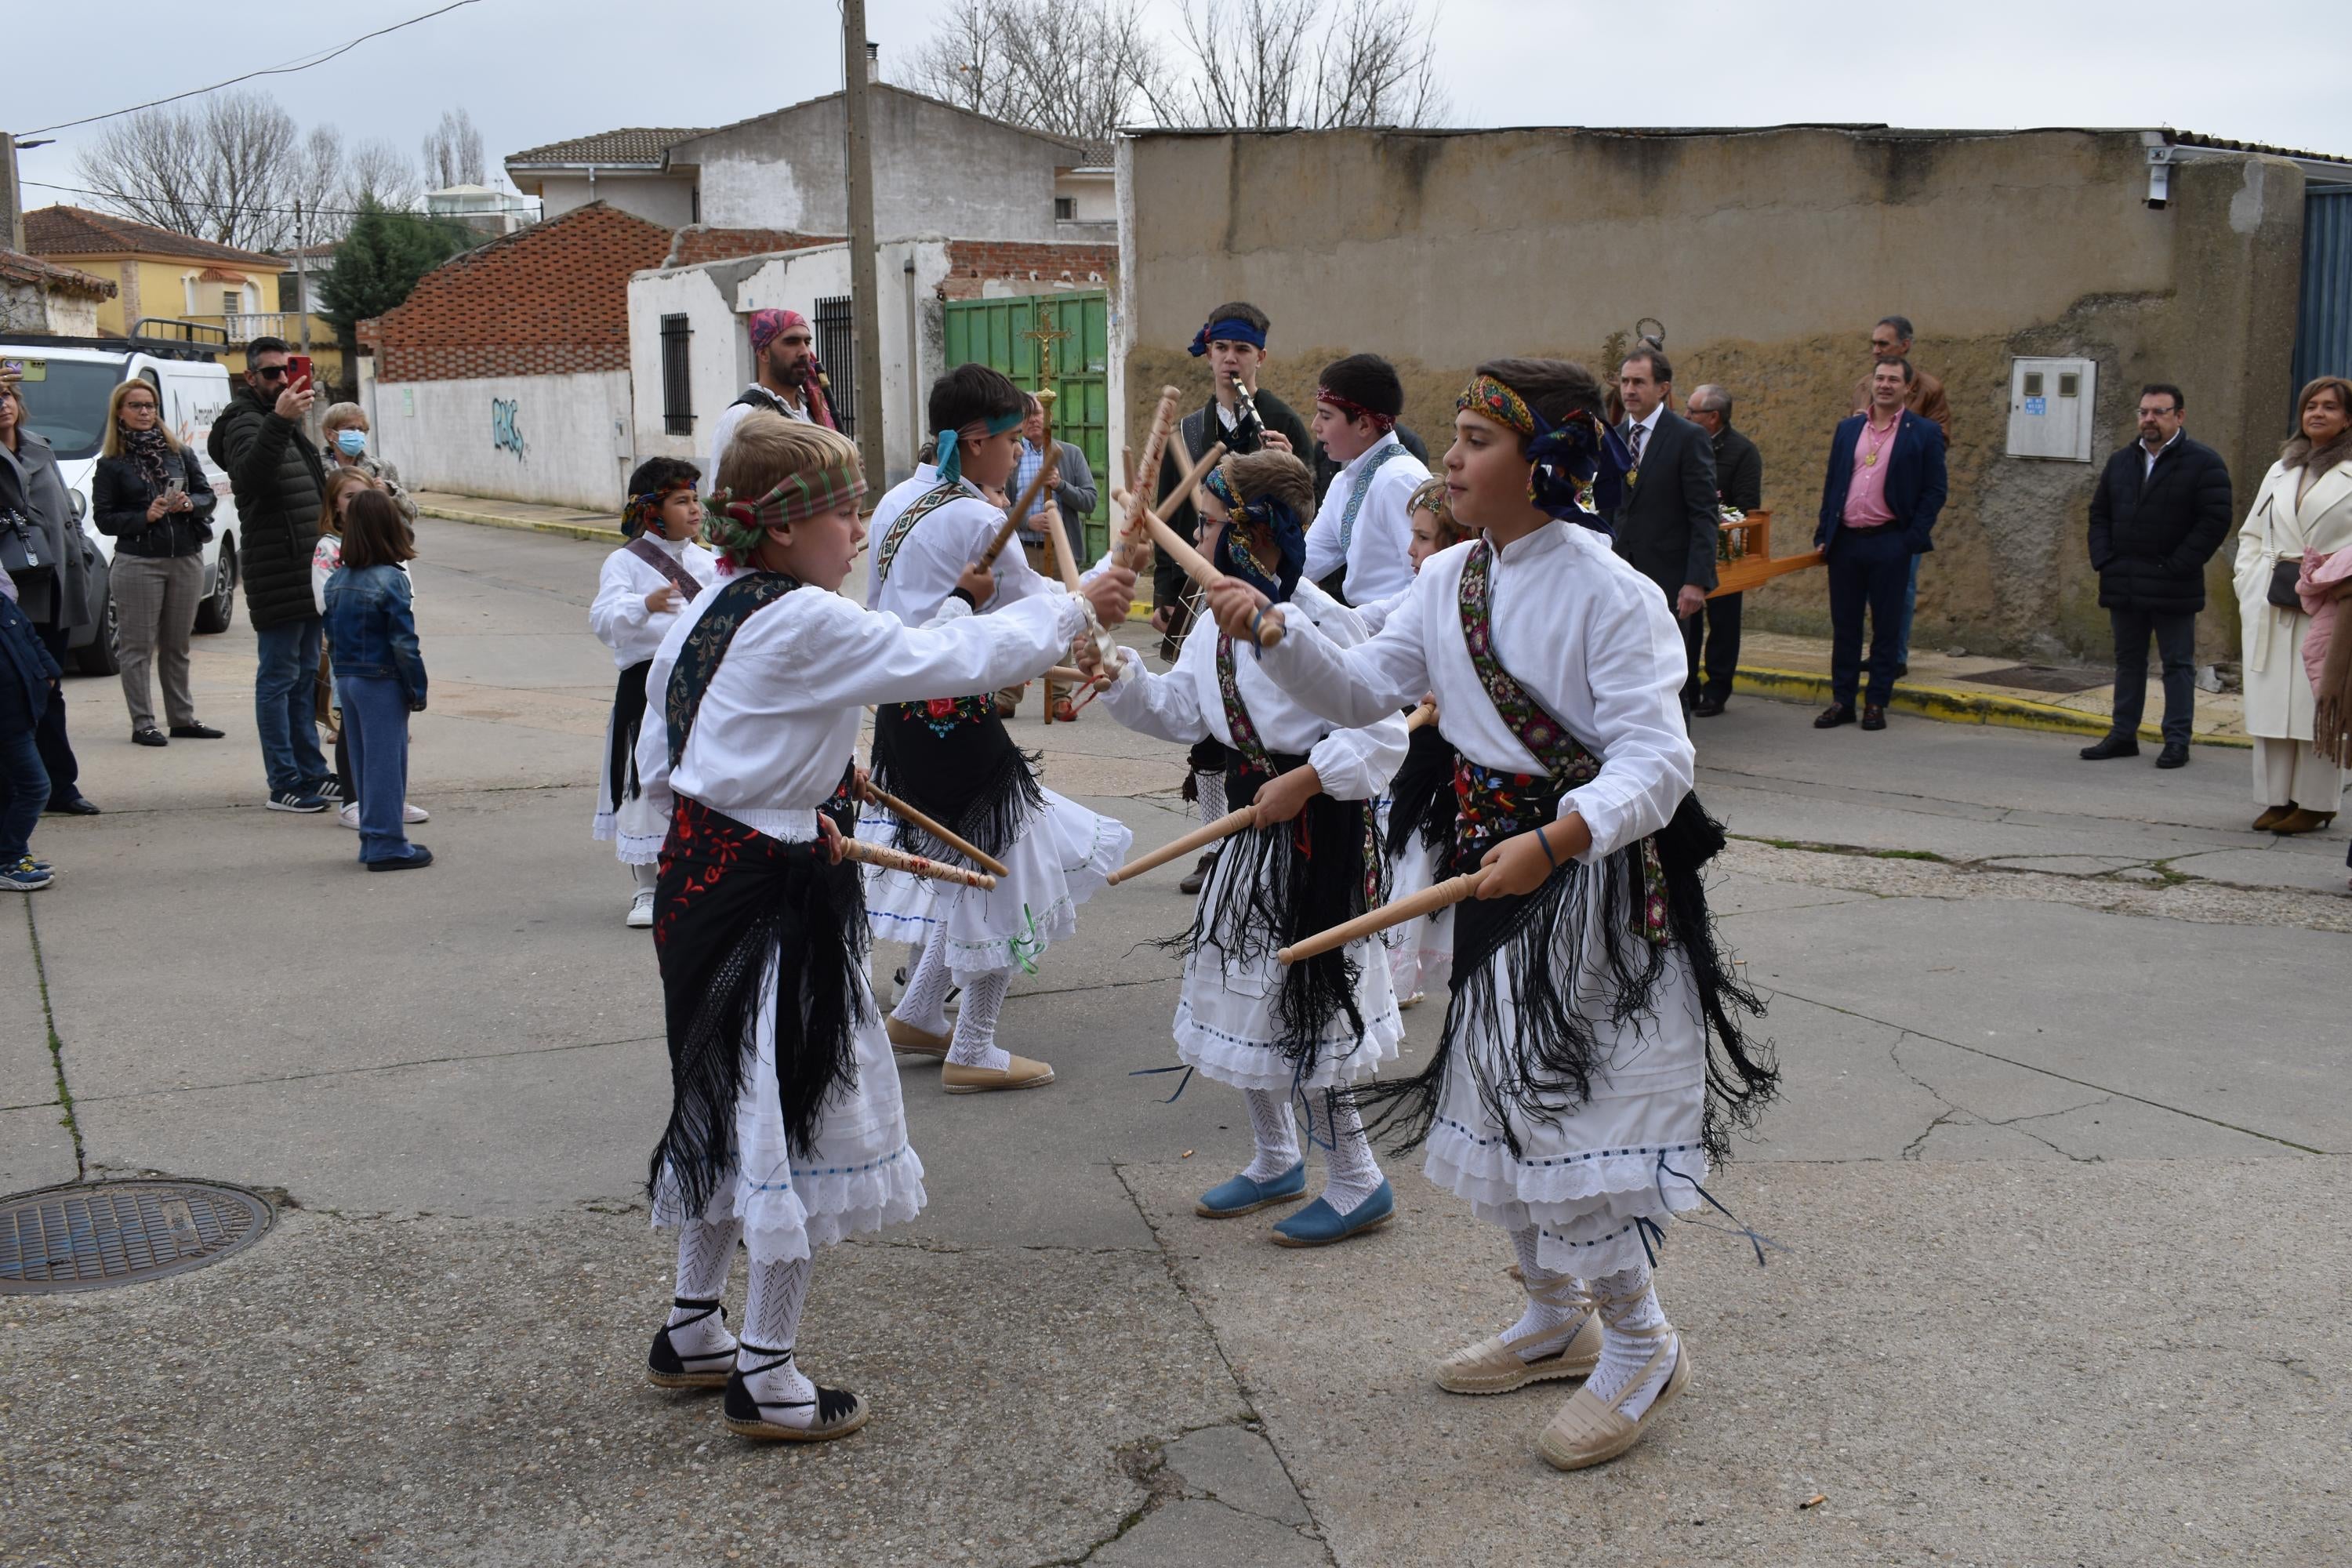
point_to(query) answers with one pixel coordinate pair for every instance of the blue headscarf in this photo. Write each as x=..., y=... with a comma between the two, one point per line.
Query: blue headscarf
x=1233, y=556
x=1225, y=331
x=951, y=462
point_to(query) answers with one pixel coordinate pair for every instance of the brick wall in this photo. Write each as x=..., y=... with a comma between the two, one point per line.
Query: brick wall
x=552, y=300
x=974, y=263
x=697, y=244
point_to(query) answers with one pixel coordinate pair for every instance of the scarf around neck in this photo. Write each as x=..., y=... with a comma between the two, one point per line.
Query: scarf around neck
x=152, y=450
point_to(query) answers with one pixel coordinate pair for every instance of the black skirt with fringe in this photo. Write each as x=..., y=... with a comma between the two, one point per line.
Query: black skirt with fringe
x=1421, y=796
x=729, y=901
x=959, y=770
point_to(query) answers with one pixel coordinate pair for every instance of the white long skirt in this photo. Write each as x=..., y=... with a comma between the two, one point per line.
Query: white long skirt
x=1420, y=950
x=1633, y=1153
x=861, y=1175
x=1225, y=1013
x=634, y=828
x=1060, y=858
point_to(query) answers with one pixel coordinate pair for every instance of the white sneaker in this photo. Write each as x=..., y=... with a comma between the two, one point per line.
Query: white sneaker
x=350, y=816
x=410, y=812
x=641, y=909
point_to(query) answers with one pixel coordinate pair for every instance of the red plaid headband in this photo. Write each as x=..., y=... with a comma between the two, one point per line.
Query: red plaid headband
x=1383, y=423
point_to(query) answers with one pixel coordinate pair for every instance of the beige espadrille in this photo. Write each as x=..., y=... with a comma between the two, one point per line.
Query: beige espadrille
x=905, y=1037
x=1590, y=1430
x=1494, y=1365
x=1019, y=1073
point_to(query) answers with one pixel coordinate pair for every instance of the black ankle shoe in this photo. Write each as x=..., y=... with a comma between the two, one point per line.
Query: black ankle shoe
x=151, y=736
x=1835, y=714
x=2174, y=756
x=2111, y=745
x=838, y=1412
x=1873, y=717
x=665, y=1368
x=196, y=732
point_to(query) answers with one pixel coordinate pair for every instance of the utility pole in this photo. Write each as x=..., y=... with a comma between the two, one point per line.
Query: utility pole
x=302, y=276
x=12, y=205
x=864, y=291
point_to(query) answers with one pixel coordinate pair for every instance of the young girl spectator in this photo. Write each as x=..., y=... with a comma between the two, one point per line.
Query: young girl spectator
x=342, y=484
x=379, y=671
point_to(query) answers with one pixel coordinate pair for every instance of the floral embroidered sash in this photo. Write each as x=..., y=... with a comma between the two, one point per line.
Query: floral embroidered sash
x=1237, y=718
x=744, y=595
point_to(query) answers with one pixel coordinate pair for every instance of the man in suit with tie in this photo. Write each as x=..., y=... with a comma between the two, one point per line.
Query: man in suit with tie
x=1879, y=502
x=1667, y=524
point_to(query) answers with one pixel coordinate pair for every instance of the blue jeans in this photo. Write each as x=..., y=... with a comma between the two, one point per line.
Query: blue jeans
x=1866, y=571
x=284, y=712
x=24, y=782
x=375, y=717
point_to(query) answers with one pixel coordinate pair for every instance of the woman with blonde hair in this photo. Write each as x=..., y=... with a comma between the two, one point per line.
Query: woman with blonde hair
x=150, y=493
x=2304, y=507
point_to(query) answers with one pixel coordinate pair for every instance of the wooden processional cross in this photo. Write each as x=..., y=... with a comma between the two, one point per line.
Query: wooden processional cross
x=1045, y=333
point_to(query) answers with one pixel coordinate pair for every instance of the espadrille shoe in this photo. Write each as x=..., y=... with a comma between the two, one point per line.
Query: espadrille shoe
x=905, y=1037
x=1494, y=1365
x=666, y=1368
x=1018, y=1073
x=838, y=1412
x=1590, y=1430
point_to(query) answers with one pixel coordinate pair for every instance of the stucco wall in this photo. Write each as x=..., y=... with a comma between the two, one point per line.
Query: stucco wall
x=667, y=200
x=561, y=439
x=716, y=296
x=936, y=171
x=1767, y=255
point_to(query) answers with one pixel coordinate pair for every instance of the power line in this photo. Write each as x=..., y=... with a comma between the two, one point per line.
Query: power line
x=308, y=210
x=299, y=63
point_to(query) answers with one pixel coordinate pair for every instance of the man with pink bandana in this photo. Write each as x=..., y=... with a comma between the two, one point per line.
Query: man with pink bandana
x=789, y=382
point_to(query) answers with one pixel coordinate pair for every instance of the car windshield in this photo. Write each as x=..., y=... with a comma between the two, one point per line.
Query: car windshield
x=65, y=401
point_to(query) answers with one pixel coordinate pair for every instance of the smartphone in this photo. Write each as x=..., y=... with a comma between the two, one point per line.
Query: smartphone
x=297, y=370
x=175, y=490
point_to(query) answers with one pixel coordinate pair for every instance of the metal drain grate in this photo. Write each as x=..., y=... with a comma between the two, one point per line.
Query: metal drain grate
x=2043, y=678
x=119, y=1232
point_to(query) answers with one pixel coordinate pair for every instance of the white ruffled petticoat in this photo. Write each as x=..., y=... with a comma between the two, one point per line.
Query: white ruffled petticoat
x=1224, y=1014
x=1421, y=950
x=1058, y=860
x=1632, y=1153
x=636, y=828
x=862, y=1176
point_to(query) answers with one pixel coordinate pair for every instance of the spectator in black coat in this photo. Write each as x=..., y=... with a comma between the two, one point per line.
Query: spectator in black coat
x=54, y=596
x=151, y=495
x=2162, y=510
x=1665, y=526
x=278, y=478
x=1739, y=484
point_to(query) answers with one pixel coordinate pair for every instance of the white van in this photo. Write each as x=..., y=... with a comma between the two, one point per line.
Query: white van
x=66, y=384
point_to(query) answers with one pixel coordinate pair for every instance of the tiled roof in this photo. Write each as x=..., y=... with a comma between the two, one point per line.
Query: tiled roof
x=18, y=268
x=2196, y=139
x=77, y=231
x=635, y=145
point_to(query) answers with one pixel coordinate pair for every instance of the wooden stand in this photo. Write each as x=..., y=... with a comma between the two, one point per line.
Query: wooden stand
x=1746, y=560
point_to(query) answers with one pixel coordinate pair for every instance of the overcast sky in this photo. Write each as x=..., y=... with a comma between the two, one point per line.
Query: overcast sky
x=531, y=71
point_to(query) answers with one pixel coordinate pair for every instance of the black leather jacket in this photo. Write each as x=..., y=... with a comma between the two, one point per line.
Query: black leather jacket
x=119, y=493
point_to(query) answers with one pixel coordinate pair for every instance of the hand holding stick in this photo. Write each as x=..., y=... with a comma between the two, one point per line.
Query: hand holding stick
x=899, y=860
x=1428, y=902
x=1197, y=568
x=908, y=814
x=1425, y=714
x=1224, y=827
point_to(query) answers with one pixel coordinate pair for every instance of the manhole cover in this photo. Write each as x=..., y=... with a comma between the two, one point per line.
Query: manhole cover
x=2042, y=677
x=119, y=1232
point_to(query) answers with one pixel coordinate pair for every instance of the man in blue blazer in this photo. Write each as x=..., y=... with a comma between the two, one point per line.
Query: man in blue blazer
x=1879, y=500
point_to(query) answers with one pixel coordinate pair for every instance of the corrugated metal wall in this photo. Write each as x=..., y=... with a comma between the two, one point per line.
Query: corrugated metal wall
x=2323, y=334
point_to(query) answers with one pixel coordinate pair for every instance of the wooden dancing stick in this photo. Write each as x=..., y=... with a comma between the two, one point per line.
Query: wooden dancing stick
x=1225, y=827
x=1047, y=473
x=1134, y=544
x=1425, y=714
x=1196, y=567
x=899, y=860
x=1428, y=902
x=904, y=812
x=1071, y=674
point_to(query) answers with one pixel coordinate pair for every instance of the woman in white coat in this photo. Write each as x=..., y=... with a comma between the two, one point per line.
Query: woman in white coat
x=2305, y=505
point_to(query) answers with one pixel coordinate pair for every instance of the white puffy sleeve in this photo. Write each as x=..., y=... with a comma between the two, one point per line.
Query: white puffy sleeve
x=1632, y=663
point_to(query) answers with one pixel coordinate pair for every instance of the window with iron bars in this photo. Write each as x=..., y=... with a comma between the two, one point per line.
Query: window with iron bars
x=836, y=350
x=677, y=380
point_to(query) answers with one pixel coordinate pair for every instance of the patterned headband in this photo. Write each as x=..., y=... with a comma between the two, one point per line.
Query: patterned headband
x=1383, y=423
x=1500, y=402
x=1217, y=485
x=645, y=506
x=766, y=326
x=1563, y=460
x=737, y=526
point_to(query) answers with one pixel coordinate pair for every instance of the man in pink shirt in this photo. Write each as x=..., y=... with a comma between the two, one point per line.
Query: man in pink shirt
x=1879, y=502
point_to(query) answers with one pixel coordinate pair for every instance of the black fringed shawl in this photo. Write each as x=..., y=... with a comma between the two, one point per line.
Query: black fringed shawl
x=730, y=900
x=1531, y=947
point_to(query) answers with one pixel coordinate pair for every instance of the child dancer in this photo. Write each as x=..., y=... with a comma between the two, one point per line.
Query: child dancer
x=785, y=1127
x=1308, y=1029
x=639, y=594
x=1591, y=1055
x=1419, y=832
x=379, y=671
x=950, y=759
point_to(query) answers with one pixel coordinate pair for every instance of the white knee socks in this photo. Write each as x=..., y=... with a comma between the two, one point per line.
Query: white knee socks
x=706, y=1251
x=646, y=877
x=974, y=1044
x=1556, y=1309
x=771, y=1322
x=1211, y=789
x=1351, y=1175
x=1628, y=1301
x=1276, y=1130
x=925, y=1003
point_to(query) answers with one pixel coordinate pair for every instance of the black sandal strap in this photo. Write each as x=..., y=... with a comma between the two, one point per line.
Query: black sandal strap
x=677, y=1302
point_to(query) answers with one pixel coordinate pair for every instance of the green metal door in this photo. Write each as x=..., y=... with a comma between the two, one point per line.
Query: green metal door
x=997, y=332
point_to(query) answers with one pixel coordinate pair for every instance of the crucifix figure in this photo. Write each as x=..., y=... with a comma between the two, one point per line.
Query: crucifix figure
x=1045, y=332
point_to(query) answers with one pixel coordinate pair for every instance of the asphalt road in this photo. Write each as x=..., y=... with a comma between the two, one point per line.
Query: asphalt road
x=2055, y=1184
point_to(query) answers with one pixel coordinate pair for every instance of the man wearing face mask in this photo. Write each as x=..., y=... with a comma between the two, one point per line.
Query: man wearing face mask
x=789, y=380
x=346, y=427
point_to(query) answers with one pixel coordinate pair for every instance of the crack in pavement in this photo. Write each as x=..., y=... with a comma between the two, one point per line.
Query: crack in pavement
x=376, y=1067
x=64, y=1100
x=1954, y=1111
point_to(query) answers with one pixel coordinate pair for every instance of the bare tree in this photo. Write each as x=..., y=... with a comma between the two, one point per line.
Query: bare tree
x=1316, y=63
x=225, y=169
x=375, y=171
x=453, y=153
x=1068, y=68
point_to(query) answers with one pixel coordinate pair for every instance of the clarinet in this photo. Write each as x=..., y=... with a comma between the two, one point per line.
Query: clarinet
x=1249, y=424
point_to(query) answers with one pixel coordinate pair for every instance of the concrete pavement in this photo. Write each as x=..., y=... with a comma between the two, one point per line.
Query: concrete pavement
x=2064, y=1129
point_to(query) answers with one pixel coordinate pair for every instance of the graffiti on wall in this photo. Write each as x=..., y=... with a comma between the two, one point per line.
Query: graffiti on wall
x=506, y=435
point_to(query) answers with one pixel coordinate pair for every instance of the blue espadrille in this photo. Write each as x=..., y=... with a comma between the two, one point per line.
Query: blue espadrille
x=1320, y=1224
x=1242, y=1195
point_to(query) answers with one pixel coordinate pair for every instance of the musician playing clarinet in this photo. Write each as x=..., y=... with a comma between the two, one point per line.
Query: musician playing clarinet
x=1233, y=340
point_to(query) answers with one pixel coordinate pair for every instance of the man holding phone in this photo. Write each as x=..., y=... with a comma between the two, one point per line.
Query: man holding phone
x=278, y=478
